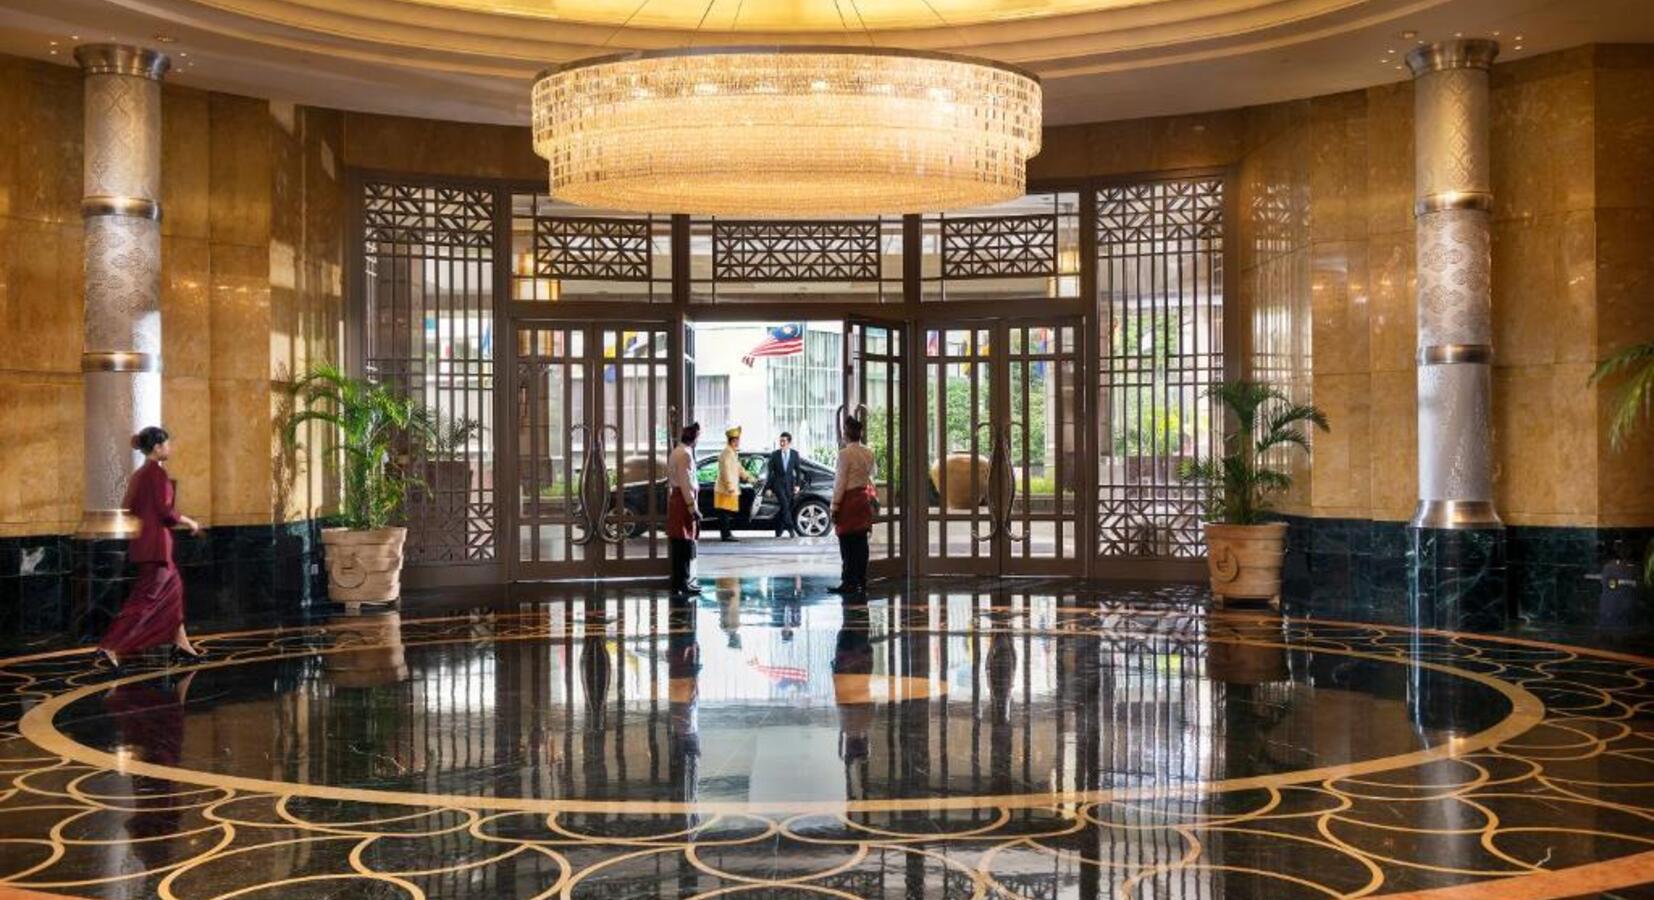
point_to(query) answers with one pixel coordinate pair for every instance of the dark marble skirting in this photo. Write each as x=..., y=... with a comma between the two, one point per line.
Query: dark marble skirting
x=1456, y=579
x=57, y=584
x=1358, y=569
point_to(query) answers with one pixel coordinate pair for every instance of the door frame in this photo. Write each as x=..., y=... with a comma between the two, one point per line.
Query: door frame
x=999, y=561
x=896, y=519
x=599, y=564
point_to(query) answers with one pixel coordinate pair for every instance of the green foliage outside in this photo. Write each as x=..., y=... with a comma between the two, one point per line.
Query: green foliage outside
x=960, y=418
x=1140, y=425
x=1240, y=481
x=379, y=429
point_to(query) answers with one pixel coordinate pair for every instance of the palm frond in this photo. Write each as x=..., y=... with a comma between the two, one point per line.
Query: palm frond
x=1240, y=482
x=1636, y=397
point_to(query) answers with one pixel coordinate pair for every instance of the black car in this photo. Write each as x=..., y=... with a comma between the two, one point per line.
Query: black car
x=811, y=505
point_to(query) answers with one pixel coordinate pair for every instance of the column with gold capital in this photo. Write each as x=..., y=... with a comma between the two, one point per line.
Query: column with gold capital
x=1456, y=563
x=121, y=210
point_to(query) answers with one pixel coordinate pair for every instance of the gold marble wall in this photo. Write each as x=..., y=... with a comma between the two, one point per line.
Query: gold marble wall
x=40, y=298
x=306, y=292
x=252, y=243
x=1623, y=91
x=1324, y=226
x=429, y=147
x=1326, y=276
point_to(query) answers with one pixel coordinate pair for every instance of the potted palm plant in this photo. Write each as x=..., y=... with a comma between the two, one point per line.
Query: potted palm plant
x=1636, y=403
x=1243, y=549
x=377, y=428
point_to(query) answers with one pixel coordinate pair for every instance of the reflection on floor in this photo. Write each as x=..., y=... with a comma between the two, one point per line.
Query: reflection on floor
x=760, y=552
x=990, y=739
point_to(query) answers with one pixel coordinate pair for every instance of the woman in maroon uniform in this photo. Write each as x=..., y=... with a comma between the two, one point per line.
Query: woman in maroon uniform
x=154, y=612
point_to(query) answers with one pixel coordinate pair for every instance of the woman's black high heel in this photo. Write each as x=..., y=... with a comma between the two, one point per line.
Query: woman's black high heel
x=181, y=658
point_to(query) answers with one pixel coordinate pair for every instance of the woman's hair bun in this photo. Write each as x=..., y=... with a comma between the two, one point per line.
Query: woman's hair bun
x=149, y=438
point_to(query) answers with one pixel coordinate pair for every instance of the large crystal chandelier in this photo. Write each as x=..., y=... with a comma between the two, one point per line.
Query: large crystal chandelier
x=786, y=131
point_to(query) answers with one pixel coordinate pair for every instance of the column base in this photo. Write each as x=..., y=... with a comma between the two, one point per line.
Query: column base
x=1456, y=578
x=107, y=524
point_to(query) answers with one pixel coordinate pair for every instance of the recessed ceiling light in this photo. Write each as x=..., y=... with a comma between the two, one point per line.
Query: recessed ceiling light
x=74, y=37
x=54, y=52
x=1458, y=34
x=166, y=38
x=183, y=56
x=1409, y=34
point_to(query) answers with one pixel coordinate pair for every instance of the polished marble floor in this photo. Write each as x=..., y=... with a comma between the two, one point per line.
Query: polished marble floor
x=983, y=739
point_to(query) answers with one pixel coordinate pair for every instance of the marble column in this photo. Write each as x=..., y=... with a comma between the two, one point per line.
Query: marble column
x=121, y=209
x=121, y=353
x=1456, y=560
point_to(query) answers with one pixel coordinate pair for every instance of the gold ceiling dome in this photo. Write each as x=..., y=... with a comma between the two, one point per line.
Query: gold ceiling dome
x=786, y=130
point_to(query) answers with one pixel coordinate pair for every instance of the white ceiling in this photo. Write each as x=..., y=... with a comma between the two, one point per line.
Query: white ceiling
x=1117, y=59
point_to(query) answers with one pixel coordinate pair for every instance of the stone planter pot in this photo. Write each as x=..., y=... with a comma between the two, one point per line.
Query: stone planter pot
x=1245, y=663
x=635, y=470
x=377, y=661
x=363, y=566
x=959, y=480
x=1245, y=561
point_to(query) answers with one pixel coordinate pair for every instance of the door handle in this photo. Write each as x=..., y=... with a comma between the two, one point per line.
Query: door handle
x=993, y=468
x=582, y=491
x=1009, y=474
x=607, y=509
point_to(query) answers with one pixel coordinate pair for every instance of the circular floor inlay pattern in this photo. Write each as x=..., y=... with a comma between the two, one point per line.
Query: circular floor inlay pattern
x=809, y=717
x=1046, y=750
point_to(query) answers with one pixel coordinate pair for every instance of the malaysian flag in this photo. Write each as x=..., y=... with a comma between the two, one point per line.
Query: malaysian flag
x=783, y=340
x=781, y=676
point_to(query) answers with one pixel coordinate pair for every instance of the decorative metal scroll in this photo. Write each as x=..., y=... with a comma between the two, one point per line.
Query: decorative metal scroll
x=795, y=251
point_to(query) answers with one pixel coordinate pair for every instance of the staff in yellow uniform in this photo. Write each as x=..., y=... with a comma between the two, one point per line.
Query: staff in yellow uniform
x=726, y=492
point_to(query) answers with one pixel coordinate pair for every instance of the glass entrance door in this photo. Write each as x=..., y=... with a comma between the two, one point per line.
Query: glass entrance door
x=1001, y=443
x=592, y=419
x=875, y=354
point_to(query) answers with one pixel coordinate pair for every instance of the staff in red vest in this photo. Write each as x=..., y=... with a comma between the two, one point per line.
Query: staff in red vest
x=853, y=507
x=683, y=517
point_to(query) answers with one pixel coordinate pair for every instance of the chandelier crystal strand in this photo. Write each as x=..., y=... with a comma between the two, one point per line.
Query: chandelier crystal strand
x=786, y=131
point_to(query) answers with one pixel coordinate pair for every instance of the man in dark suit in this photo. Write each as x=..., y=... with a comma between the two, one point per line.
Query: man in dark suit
x=784, y=479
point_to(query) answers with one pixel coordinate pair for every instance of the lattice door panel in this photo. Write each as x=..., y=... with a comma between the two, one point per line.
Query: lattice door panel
x=1160, y=314
x=428, y=265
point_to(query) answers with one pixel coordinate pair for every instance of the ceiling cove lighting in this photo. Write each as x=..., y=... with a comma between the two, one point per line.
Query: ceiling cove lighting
x=786, y=131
